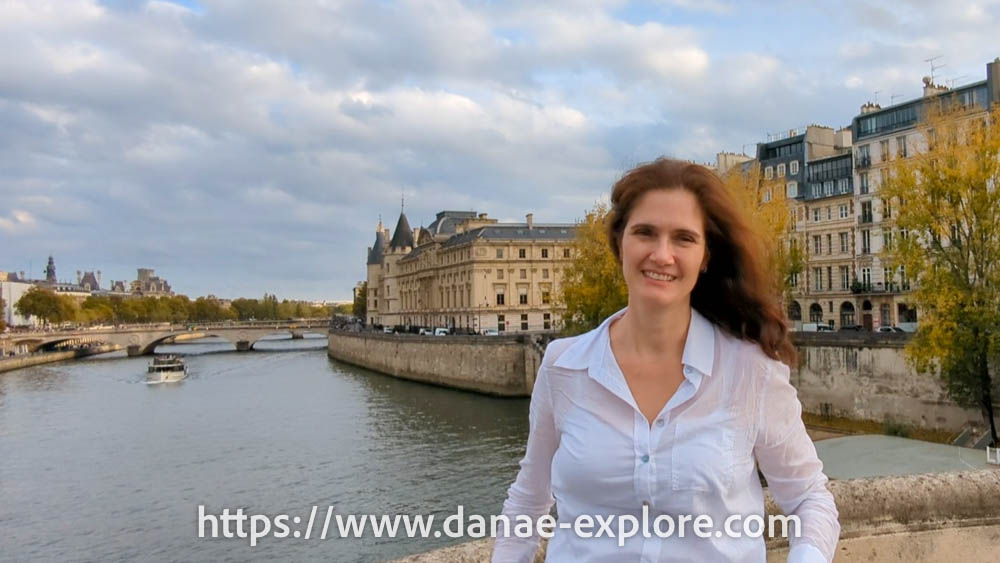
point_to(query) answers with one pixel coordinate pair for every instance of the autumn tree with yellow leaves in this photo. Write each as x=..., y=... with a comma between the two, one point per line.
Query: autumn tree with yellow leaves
x=766, y=208
x=593, y=286
x=948, y=197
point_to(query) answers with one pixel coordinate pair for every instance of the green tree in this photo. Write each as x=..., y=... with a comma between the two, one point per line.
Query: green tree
x=96, y=309
x=3, y=323
x=44, y=304
x=593, y=287
x=948, y=242
x=361, y=302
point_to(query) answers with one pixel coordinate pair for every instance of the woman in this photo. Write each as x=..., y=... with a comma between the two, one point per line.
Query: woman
x=663, y=410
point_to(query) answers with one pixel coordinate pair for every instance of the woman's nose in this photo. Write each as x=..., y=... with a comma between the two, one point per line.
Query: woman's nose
x=663, y=253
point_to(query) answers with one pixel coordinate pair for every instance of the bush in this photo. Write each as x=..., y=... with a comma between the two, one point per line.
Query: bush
x=892, y=428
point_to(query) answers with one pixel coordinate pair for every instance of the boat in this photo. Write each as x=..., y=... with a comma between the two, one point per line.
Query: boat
x=166, y=368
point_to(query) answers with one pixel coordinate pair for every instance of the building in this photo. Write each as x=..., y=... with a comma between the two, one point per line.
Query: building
x=808, y=169
x=11, y=290
x=469, y=272
x=147, y=283
x=89, y=280
x=883, y=135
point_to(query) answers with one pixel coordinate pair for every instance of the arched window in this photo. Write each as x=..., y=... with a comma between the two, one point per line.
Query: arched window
x=815, y=313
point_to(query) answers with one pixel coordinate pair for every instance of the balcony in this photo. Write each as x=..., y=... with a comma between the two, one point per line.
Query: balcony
x=865, y=219
x=863, y=162
x=858, y=287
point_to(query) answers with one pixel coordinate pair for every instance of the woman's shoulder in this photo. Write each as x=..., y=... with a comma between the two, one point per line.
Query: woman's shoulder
x=556, y=348
x=749, y=354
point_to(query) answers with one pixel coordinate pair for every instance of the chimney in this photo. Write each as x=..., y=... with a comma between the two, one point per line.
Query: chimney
x=482, y=215
x=531, y=220
x=869, y=107
x=98, y=279
x=79, y=277
x=993, y=82
x=931, y=89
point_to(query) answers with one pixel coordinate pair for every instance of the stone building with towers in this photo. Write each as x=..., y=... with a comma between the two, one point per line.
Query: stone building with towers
x=470, y=273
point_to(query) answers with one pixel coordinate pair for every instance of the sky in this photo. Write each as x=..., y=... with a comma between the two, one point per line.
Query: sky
x=240, y=147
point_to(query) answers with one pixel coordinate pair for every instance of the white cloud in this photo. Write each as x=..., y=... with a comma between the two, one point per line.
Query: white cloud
x=283, y=130
x=18, y=222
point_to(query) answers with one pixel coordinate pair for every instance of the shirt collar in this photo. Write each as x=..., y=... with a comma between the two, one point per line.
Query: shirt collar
x=588, y=350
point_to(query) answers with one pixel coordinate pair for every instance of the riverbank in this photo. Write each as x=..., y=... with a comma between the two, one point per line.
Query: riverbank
x=19, y=362
x=492, y=365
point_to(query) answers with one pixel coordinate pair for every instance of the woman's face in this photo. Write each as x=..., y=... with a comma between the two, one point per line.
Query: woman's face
x=663, y=247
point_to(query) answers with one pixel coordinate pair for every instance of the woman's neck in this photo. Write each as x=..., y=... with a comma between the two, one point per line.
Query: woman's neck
x=655, y=331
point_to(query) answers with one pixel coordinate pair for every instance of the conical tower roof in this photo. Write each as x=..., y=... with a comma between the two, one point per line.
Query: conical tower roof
x=402, y=235
x=378, y=249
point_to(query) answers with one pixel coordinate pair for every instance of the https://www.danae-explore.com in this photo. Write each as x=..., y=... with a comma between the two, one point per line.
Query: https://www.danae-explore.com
x=325, y=523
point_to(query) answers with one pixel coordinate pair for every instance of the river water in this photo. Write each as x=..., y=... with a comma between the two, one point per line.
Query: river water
x=96, y=465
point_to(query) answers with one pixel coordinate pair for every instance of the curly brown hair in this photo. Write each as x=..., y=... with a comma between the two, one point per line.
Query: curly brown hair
x=734, y=292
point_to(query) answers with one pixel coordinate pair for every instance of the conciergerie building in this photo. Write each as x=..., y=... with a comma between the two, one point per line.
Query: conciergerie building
x=469, y=272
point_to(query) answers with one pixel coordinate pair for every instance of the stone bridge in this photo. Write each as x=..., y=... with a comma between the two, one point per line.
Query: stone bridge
x=142, y=340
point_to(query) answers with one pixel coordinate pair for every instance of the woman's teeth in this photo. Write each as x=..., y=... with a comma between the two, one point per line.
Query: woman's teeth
x=659, y=277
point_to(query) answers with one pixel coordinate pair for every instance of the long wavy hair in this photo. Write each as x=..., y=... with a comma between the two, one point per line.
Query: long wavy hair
x=734, y=292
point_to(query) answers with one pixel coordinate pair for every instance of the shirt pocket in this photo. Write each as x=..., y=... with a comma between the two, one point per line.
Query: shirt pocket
x=703, y=456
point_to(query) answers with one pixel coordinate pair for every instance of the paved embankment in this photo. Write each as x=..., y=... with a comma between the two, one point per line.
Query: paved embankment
x=19, y=362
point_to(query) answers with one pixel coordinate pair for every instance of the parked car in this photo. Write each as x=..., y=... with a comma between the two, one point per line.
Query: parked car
x=855, y=328
x=425, y=332
x=890, y=329
x=441, y=332
x=388, y=330
x=824, y=328
x=491, y=332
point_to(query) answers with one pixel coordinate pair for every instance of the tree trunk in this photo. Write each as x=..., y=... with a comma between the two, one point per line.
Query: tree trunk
x=985, y=387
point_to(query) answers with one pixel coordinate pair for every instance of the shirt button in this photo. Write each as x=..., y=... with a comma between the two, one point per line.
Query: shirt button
x=645, y=503
x=688, y=370
x=645, y=458
x=660, y=422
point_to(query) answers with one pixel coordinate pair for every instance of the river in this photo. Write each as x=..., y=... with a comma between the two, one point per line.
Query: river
x=96, y=465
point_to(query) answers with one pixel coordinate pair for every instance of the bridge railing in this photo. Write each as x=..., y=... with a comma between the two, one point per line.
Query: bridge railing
x=279, y=324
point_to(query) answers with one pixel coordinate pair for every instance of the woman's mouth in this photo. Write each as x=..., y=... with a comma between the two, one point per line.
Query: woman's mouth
x=658, y=276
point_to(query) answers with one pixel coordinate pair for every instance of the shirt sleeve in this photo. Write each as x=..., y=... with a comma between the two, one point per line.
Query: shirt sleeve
x=787, y=457
x=531, y=492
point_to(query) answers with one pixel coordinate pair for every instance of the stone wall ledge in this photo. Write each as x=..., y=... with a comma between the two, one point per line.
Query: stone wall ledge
x=913, y=518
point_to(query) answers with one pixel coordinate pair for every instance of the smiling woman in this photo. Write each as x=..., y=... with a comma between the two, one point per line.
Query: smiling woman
x=673, y=403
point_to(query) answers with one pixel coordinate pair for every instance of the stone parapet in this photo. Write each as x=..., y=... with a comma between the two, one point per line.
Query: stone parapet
x=914, y=519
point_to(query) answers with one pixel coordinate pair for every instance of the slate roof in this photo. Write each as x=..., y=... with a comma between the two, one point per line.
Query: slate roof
x=402, y=235
x=446, y=221
x=378, y=249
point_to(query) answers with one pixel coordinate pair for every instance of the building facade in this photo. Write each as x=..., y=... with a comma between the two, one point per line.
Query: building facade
x=470, y=273
x=882, y=136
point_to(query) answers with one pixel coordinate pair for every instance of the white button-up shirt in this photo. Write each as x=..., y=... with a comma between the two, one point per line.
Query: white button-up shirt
x=593, y=451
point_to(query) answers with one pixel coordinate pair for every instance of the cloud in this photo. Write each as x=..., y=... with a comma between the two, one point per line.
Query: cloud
x=17, y=222
x=230, y=144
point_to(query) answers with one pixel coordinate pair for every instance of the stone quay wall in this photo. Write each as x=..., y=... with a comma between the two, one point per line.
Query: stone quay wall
x=867, y=376
x=851, y=375
x=19, y=362
x=495, y=365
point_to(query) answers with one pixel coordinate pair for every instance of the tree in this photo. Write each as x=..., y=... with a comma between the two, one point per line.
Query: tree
x=361, y=302
x=766, y=208
x=3, y=324
x=949, y=243
x=593, y=287
x=46, y=305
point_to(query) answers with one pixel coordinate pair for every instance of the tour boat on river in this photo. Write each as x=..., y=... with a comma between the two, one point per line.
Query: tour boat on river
x=166, y=368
